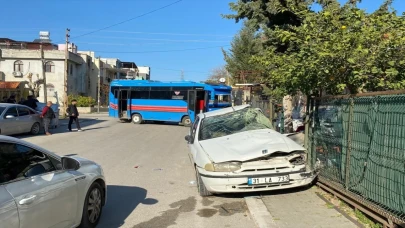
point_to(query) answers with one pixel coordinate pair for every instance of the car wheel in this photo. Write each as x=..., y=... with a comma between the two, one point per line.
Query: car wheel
x=200, y=185
x=186, y=121
x=93, y=206
x=136, y=119
x=35, y=129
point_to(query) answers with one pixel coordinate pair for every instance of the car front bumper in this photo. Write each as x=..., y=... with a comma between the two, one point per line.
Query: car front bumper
x=232, y=183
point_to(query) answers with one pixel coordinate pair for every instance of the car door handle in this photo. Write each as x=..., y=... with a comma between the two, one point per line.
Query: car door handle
x=28, y=200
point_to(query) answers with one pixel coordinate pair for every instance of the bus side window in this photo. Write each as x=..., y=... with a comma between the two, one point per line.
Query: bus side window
x=139, y=94
x=160, y=95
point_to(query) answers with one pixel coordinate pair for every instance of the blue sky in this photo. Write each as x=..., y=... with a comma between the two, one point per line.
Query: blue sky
x=189, y=24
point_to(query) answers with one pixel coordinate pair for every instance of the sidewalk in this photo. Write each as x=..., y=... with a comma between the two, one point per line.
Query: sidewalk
x=303, y=208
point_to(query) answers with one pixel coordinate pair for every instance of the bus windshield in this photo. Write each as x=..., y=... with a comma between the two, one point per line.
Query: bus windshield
x=225, y=98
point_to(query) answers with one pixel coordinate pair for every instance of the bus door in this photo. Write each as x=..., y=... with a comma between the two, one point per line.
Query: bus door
x=114, y=104
x=197, y=102
x=192, y=104
x=122, y=104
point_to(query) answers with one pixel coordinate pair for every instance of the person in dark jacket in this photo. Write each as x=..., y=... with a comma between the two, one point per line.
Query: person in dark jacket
x=12, y=100
x=47, y=114
x=73, y=116
x=31, y=102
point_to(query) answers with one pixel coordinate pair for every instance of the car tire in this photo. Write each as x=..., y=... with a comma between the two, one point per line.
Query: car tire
x=136, y=119
x=200, y=185
x=186, y=121
x=35, y=129
x=94, y=199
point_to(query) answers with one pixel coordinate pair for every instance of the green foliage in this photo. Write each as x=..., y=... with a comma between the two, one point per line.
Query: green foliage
x=365, y=220
x=82, y=101
x=338, y=48
x=243, y=47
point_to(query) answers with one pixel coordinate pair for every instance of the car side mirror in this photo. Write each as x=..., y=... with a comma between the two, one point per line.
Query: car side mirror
x=10, y=116
x=188, y=138
x=69, y=163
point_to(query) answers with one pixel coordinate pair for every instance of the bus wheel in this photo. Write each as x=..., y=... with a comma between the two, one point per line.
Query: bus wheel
x=186, y=121
x=136, y=119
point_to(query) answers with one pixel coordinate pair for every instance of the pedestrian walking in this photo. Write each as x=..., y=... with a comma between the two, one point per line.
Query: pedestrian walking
x=47, y=115
x=73, y=116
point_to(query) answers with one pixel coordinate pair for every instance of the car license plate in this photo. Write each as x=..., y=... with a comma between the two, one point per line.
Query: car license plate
x=268, y=180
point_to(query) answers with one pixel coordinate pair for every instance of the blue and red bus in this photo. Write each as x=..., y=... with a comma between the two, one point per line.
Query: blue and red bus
x=140, y=100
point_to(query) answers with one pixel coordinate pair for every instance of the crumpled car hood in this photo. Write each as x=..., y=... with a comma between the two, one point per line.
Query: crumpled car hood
x=248, y=145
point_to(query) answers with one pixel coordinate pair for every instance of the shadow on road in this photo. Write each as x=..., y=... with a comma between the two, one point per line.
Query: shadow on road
x=121, y=202
x=63, y=126
x=266, y=193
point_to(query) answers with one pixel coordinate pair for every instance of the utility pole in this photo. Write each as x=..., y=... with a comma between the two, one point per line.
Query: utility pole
x=182, y=75
x=65, y=96
x=98, y=87
x=43, y=73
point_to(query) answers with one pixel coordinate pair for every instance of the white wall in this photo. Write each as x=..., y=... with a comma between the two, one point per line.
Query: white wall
x=32, y=64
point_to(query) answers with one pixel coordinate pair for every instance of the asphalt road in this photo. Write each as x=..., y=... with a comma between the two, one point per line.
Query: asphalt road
x=149, y=175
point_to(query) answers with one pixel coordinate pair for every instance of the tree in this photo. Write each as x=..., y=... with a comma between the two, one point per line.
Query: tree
x=238, y=59
x=340, y=47
x=218, y=73
x=34, y=86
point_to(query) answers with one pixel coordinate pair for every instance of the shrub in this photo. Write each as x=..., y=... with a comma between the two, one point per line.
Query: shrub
x=82, y=101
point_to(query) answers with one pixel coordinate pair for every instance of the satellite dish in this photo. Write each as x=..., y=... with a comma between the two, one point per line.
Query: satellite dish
x=222, y=80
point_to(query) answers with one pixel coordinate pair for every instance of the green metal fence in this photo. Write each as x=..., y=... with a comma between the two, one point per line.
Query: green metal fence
x=360, y=143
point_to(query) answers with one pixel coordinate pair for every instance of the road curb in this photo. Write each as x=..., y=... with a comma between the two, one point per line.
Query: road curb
x=259, y=212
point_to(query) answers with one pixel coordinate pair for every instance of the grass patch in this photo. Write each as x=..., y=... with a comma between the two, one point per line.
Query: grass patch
x=365, y=220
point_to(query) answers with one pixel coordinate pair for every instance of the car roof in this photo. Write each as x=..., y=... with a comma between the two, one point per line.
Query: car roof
x=6, y=104
x=223, y=111
x=11, y=105
x=9, y=139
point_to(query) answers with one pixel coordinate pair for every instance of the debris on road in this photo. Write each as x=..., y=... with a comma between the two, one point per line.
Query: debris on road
x=192, y=182
x=159, y=169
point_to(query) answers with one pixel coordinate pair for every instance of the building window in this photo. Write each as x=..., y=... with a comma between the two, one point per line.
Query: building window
x=71, y=69
x=50, y=67
x=50, y=88
x=18, y=66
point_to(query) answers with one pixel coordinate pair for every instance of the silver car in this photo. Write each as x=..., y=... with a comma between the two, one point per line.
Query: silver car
x=17, y=119
x=40, y=189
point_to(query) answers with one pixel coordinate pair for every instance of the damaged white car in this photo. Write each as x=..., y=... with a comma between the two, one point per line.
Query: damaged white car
x=236, y=150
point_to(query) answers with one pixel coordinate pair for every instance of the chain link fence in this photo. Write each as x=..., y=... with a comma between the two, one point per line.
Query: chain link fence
x=359, y=143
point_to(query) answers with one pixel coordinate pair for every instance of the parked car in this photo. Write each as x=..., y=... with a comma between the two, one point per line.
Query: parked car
x=236, y=150
x=41, y=189
x=17, y=119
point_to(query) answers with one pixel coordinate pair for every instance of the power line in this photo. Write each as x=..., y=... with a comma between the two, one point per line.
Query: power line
x=122, y=22
x=169, y=40
x=190, y=71
x=117, y=44
x=161, y=33
x=31, y=31
x=178, y=50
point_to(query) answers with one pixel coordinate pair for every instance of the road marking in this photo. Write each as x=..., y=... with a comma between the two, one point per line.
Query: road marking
x=259, y=212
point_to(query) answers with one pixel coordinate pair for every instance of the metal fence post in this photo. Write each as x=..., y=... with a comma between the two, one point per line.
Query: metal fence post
x=306, y=134
x=282, y=121
x=349, y=144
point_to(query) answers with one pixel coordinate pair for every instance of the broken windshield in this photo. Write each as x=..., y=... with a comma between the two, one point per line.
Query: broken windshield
x=247, y=119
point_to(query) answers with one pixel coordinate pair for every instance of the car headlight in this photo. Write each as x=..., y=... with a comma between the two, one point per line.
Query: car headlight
x=299, y=158
x=223, y=167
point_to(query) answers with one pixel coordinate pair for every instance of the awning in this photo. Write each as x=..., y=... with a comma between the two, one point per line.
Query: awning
x=9, y=85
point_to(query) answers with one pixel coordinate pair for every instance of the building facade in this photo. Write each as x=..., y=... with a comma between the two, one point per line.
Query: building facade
x=17, y=65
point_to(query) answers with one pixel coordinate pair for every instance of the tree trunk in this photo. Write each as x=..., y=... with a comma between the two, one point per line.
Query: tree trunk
x=288, y=108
